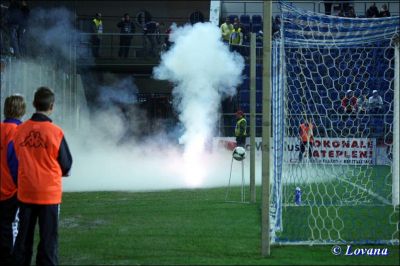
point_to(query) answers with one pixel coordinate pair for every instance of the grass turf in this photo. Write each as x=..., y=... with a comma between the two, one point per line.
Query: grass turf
x=355, y=207
x=178, y=227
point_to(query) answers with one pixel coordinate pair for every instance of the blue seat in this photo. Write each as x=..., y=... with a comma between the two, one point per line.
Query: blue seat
x=259, y=83
x=246, y=70
x=245, y=27
x=311, y=109
x=259, y=107
x=256, y=27
x=258, y=121
x=256, y=19
x=349, y=123
x=321, y=109
x=245, y=84
x=258, y=96
x=259, y=70
x=388, y=97
x=389, y=119
x=244, y=19
x=341, y=125
x=232, y=18
x=244, y=96
x=245, y=107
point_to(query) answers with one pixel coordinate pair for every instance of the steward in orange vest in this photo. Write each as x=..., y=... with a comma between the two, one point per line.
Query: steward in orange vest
x=43, y=158
x=306, y=139
x=14, y=110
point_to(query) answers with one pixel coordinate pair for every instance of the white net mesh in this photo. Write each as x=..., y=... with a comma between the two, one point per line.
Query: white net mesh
x=326, y=70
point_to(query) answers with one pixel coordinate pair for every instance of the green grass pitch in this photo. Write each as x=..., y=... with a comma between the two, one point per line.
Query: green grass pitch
x=183, y=227
x=354, y=207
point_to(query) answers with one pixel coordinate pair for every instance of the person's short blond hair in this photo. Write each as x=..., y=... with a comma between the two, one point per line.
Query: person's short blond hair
x=14, y=106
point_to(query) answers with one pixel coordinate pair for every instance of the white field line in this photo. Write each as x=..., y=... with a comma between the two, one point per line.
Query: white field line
x=373, y=194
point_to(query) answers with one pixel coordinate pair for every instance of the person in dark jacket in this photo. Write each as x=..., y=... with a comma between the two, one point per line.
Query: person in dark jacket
x=328, y=7
x=127, y=27
x=14, y=23
x=41, y=152
x=384, y=11
x=23, y=29
x=152, y=32
x=373, y=11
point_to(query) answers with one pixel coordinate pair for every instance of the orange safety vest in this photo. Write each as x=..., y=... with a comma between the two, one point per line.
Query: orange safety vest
x=7, y=185
x=304, y=133
x=39, y=173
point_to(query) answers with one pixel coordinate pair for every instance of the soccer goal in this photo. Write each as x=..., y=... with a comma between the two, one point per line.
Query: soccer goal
x=347, y=191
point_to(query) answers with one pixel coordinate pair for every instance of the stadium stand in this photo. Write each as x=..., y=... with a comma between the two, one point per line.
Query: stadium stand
x=343, y=76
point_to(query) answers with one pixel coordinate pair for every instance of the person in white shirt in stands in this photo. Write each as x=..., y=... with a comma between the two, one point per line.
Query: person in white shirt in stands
x=375, y=103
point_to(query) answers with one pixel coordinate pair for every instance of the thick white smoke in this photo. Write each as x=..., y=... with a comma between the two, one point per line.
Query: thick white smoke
x=203, y=71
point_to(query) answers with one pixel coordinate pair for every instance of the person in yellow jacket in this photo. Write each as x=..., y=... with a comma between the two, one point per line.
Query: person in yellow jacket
x=240, y=129
x=226, y=29
x=236, y=38
x=97, y=30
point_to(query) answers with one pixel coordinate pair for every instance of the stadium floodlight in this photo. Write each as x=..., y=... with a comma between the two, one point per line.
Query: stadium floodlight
x=350, y=186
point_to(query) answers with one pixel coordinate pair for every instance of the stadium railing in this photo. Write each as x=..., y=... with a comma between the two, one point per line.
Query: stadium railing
x=110, y=44
x=248, y=7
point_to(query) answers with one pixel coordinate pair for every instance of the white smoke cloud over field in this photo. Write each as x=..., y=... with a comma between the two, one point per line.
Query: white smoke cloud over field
x=203, y=71
x=109, y=149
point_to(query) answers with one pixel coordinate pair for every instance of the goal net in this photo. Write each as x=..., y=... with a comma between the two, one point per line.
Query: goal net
x=339, y=185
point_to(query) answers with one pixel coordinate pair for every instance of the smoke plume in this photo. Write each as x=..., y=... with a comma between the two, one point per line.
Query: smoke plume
x=203, y=71
x=108, y=146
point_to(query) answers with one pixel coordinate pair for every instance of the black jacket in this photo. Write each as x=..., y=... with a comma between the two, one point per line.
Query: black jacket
x=126, y=26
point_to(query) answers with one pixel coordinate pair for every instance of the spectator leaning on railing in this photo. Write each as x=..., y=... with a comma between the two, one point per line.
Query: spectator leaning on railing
x=96, y=30
x=127, y=28
x=372, y=12
x=352, y=13
x=151, y=30
x=14, y=22
x=384, y=11
x=23, y=29
x=4, y=40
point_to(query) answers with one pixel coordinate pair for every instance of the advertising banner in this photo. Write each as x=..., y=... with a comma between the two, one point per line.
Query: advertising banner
x=356, y=151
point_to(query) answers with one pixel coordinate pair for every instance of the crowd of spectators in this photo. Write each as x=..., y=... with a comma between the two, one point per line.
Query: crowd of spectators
x=346, y=10
x=237, y=34
x=353, y=105
x=14, y=28
x=127, y=27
